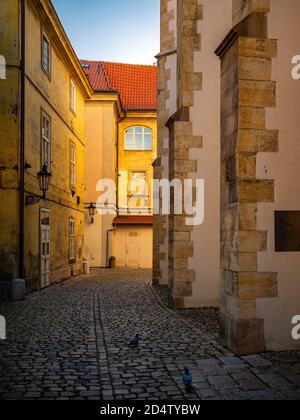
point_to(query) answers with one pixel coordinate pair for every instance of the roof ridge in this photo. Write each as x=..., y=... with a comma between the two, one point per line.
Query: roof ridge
x=119, y=63
x=135, y=83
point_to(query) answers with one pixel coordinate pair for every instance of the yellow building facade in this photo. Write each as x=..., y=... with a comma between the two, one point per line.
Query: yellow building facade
x=42, y=125
x=121, y=139
x=63, y=128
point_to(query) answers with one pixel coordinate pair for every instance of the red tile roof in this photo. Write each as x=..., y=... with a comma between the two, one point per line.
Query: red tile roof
x=136, y=84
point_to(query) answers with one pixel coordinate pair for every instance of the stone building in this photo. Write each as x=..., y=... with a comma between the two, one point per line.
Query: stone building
x=121, y=137
x=228, y=110
x=41, y=130
x=56, y=119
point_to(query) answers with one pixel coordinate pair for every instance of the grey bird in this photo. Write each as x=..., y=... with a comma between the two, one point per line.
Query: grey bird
x=187, y=380
x=134, y=342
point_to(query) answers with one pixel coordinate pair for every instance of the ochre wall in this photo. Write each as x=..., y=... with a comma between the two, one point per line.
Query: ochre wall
x=53, y=97
x=9, y=151
x=100, y=162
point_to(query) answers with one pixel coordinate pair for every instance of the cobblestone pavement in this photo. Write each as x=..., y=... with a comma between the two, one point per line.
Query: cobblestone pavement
x=71, y=342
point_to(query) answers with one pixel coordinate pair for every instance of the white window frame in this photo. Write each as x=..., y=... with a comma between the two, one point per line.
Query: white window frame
x=72, y=164
x=73, y=96
x=45, y=160
x=46, y=66
x=72, y=240
x=143, y=196
x=131, y=190
x=134, y=138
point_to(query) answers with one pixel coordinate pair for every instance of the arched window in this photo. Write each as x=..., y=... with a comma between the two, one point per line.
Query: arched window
x=138, y=138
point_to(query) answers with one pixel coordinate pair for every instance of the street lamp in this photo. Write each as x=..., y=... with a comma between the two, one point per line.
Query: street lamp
x=92, y=211
x=44, y=178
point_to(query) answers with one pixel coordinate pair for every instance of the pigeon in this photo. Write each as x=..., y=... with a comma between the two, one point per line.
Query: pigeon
x=134, y=342
x=187, y=380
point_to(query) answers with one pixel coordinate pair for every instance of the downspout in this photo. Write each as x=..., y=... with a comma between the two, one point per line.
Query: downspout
x=22, y=142
x=107, y=245
x=117, y=163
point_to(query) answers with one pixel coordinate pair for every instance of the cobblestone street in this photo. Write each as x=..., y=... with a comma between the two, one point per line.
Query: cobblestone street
x=71, y=342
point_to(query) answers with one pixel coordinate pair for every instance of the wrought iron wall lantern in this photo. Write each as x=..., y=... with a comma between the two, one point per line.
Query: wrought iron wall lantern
x=92, y=209
x=44, y=179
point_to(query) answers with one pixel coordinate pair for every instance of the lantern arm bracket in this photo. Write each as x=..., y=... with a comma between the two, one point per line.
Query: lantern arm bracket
x=44, y=176
x=32, y=199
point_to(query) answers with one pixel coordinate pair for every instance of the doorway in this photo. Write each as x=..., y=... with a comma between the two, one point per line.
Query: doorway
x=132, y=250
x=45, y=248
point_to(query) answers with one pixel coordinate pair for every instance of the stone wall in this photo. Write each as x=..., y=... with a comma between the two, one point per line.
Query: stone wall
x=182, y=139
x=247, y=90
x=166, y=69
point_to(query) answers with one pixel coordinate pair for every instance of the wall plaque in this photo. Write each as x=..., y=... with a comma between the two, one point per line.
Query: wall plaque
x=287, y=231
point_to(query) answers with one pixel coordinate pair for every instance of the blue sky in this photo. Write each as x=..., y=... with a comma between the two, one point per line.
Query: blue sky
x=125, y=31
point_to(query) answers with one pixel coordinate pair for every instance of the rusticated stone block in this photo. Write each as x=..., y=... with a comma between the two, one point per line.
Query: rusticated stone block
x=192, y=10
x=182, y=289
x=239, y=309
x=247, y=217
x=252, y=286
x=182, y=128
x=176, y=302
x=192, y=81
x=243, y=336
x=255, y=47
x=179, y=224
x=252, y=118
x=257, y=93
x=251, y=241
x=253, y=68
x=180, y=264
x=258, y=141
x=230, y=218
x=237, y=261
x=185, y=166
x=182, y=249
x=180, y=236
x=259, y=191
x=184, y=275
x=244, y=242
x=246, y=166
x=242, y=8
x=188, y=140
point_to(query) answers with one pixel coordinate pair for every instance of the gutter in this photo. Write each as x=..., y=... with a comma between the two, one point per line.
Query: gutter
x=22, y=142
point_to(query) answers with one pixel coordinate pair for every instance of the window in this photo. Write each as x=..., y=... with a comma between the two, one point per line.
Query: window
x=73, y=96
x=138, y=183
x=138, y=190
x=46, y=64
x=72, y=246
x=72, y=165
x=138, y=138
x=46, y=141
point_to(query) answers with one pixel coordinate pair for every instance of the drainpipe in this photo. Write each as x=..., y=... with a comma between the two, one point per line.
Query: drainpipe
x=107, y=245
x=22, y=143
x=117, y=164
